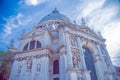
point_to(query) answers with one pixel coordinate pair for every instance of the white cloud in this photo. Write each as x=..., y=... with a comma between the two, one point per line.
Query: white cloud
x=34, y=2
x=99, y=18
x=91, y=6
x=14, y=22
x=112, y=34
x=86, y=8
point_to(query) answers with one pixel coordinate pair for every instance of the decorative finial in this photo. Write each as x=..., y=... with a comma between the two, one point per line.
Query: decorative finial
x=23, y=32
x=99, y=33
x=74, y=22
x=55, y=11
x=11, y=44
x=83, y=22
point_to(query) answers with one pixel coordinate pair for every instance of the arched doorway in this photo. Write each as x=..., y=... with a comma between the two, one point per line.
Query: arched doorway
x=89, y=63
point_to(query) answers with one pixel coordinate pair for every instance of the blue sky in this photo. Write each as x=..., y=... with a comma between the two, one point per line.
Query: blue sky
x=100, y=15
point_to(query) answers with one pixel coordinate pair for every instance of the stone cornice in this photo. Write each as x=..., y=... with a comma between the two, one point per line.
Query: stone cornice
x=31, y=37
x=37, y=56
x=35, y=30
x=34, y=50
x=12, y=49
x=85, y=34
x=78, y=71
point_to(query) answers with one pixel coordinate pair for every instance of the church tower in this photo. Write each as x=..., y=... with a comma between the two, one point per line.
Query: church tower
x=57, y=49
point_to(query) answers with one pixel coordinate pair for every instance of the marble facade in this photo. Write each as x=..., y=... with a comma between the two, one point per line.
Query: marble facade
x=55, y=50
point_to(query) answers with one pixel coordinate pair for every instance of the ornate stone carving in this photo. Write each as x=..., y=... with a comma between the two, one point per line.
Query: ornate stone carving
x=75, y=58
x=106, y=61
x=30, y=57
x=73, y=40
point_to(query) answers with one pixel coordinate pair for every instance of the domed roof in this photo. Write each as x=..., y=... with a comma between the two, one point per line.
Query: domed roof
x=55, y=15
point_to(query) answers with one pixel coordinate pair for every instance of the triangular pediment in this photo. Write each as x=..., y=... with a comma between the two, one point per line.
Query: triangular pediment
x=32, y=33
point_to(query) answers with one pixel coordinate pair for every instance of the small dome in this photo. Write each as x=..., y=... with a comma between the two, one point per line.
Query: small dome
x=55, y=15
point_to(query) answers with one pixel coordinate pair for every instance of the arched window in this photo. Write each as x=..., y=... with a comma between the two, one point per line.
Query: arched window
x=38, y=44
x=56, y=67
x=90, y=64
x=32, y=45
x=25, y=47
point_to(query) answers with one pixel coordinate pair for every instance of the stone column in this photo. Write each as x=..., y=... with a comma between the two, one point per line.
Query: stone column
x=23, y=70
x=102, y=59
x=62, y=66
x=69, y=59
x=97, y=63
x=107, y=74
x=13, y=71
x=45, y=68
x=82, y=60
x=68, y=49
x=112, y=70
x=82, y=65
x=33, y=74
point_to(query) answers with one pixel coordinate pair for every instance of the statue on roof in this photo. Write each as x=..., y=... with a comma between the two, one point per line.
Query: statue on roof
x=83, y=21
x=11, y=44
x=55, y=11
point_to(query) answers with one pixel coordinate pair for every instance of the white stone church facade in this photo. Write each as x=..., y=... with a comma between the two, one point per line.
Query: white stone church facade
x=57, y=49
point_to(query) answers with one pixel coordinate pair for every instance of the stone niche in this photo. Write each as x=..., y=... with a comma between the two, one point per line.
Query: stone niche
x=73, y=40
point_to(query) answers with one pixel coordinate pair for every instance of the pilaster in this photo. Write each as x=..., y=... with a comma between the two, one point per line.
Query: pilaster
x=63, y=66
x=98, y=66
x=69, y=54
x=82, y=60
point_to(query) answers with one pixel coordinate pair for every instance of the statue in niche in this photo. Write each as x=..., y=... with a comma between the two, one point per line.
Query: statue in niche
x=29, y=65
x=38, y=67
x=19, y=69
x=73, y=40
x=76, y=59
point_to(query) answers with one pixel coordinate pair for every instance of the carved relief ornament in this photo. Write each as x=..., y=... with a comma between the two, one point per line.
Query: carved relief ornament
x=75, y=58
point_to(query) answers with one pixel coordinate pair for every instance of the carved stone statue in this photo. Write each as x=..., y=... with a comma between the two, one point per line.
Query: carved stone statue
x=38, y=67
x=29, y=65
x=73, y=40
x=19, y=69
